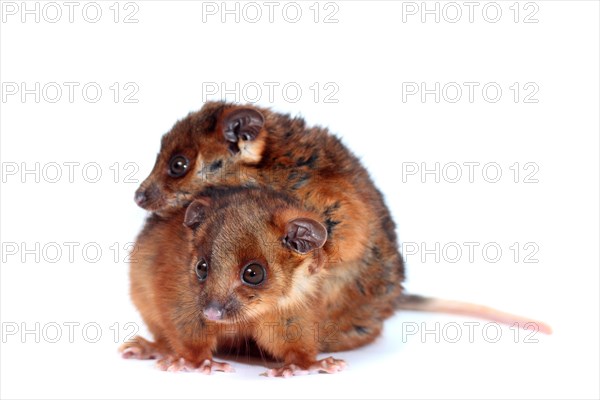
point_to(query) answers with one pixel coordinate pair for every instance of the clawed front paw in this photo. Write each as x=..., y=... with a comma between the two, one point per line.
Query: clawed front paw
x=141, y=349
x=287, y=371
x=328, y=365
x=206, y=367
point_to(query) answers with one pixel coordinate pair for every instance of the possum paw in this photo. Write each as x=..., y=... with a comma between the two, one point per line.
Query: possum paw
x=141, y=349
x=287, y=371
x=206, y=367
x=328, y=365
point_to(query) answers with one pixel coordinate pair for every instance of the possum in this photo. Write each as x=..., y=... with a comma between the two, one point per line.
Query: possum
x=253, y=264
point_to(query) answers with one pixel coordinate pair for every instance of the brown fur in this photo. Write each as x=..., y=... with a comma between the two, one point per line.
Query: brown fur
x=355, y=280
x=310, y=164
x=296, y=313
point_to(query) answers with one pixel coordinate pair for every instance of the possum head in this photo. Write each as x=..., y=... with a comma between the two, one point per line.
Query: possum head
x=253, y=255
x=213, y=146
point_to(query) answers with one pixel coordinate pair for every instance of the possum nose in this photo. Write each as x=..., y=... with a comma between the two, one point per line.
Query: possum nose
x=140, y=197
x=214, y=312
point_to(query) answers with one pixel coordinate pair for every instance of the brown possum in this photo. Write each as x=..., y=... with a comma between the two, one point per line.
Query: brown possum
x=249, y=265
x=227, y=145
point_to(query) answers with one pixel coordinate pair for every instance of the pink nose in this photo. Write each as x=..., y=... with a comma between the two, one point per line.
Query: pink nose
x=213, y=314
x=140, y=198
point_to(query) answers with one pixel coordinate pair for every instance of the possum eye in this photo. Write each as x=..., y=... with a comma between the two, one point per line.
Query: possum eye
x=202, y=270
x=178, y=166
x=253, y=274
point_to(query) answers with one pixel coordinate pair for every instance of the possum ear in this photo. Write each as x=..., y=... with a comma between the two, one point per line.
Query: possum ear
x=242, y=124
x=304, y=235
x=241, y=128
x=195, y=212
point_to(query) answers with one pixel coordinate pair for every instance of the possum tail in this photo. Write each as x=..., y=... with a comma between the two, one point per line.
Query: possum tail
x=412, y=302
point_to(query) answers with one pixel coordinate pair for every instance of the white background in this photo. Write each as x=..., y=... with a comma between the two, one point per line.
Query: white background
x=171, y=53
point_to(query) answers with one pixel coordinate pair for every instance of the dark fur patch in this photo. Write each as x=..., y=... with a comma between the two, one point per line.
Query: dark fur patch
x=389, y=227
x=302, y=181
x=329, y=210
x=210, y=123
x=361, y=330
x=309, y=161
x=376, y=252
x=330, y=225
x=360, y=287
x=215, y=165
